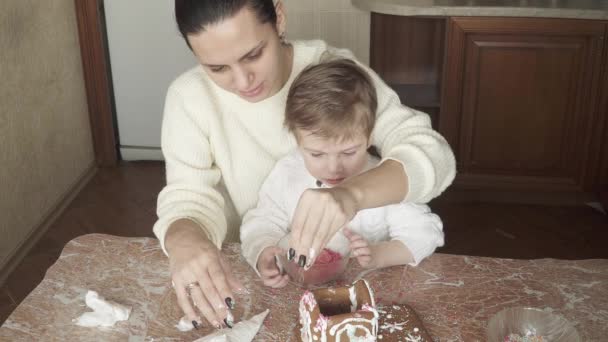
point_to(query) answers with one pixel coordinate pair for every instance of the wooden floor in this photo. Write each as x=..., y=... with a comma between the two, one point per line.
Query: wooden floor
x=121, y=201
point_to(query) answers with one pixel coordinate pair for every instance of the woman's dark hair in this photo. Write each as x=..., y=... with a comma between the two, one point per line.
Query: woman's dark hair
x=193, y=16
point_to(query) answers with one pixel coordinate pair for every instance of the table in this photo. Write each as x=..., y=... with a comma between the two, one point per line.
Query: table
x=454, y=295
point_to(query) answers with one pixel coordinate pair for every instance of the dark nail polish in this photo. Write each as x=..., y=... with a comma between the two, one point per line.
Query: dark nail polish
x=302, y=261
x=195, y=325
x=292, y=254
x=229, y=303
x=228, y=323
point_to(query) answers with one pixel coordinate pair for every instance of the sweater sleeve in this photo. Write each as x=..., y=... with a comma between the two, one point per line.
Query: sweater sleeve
x=264, y=225
x=416, y=227
x=405, y=135
x=191, y=174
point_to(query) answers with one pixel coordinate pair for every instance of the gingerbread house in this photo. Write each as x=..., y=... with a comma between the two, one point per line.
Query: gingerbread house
x=345, y=313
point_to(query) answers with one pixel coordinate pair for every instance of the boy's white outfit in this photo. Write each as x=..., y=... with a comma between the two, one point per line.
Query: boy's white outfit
x=412, y=224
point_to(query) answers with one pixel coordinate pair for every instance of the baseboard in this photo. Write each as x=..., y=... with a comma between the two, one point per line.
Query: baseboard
x=45, y=222
x=131, y=153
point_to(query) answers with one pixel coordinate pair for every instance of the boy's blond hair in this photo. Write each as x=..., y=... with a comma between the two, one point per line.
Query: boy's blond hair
x=333, y=99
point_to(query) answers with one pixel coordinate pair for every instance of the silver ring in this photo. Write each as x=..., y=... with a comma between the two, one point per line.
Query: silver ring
x=192, y=285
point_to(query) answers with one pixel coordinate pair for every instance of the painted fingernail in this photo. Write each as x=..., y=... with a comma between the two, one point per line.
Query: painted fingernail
x=230, y=303
x=229, y=320
x=292, y=254
x=195, y=324
x=302, y=261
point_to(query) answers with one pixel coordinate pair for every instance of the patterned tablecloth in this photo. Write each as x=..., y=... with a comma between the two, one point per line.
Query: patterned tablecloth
x=454, y=295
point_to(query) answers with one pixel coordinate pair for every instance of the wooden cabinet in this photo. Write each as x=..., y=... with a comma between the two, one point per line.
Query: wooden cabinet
x=522, y=100
x=408, y=53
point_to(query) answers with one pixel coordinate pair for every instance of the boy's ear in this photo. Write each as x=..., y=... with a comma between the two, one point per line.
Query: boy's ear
x=279, y=8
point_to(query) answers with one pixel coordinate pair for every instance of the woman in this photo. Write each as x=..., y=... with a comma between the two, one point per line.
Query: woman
x=224, y=120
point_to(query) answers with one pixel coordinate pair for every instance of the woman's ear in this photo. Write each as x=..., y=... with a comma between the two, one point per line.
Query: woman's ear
x=279, y=8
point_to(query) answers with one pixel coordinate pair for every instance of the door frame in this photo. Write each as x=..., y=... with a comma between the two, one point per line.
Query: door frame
x=98, y=80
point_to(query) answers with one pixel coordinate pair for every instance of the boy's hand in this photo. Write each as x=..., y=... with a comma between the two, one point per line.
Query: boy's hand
x=269, y=271
x=360, y=248
x=319, y=215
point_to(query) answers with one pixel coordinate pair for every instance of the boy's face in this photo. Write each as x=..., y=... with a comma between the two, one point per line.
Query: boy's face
x=333, y=160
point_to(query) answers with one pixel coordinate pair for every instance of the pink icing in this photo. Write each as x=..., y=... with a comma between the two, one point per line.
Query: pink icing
x=328, y=256
x=328, y=265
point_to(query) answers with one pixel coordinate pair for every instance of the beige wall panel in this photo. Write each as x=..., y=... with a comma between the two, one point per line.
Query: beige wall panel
x=45, y=137
x=336, y=21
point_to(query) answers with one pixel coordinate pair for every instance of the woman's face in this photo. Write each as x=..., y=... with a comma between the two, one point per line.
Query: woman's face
x=244, y=56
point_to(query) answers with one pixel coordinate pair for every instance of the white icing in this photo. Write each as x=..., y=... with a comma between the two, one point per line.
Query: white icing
x=353, y=299
x=410, y=338
x=307, y=303
x=338, y=329
x=371, y=293
x=392, y=327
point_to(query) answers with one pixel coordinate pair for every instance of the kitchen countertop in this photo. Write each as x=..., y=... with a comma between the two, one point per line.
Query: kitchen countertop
x=576, y=9
x=454, y=295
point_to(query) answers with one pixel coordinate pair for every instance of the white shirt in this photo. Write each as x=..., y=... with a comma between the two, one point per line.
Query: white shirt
x=414, y=225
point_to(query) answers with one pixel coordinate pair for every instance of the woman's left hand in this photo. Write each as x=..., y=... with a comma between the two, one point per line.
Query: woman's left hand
x=320, y=213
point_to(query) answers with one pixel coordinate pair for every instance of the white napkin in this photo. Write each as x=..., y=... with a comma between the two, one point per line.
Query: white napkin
x=243, y=331
x=105, y=313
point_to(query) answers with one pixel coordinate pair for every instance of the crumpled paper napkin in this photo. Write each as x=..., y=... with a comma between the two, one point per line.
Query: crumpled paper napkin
x=105, y=313
x=243, y=331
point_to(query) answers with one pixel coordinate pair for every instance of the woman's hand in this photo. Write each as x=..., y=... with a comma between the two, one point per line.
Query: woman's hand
x=202, y=279
x=269, y=271
x=361, y=249
x=319, y=215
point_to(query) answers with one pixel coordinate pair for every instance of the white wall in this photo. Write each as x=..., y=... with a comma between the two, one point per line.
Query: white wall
x=336, y=21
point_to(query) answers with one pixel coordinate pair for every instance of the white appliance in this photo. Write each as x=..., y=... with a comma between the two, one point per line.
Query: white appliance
x=146, y=54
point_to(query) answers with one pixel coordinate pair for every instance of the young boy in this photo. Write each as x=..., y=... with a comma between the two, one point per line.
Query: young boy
x=331, y=110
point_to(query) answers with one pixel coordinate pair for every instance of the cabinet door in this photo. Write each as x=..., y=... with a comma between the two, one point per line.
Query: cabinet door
x=520, y=98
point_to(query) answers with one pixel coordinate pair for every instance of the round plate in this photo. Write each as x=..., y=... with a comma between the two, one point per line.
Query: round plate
x=530, y=322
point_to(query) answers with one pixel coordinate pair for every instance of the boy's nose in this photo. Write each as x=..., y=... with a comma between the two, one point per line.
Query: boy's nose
x=335, y=166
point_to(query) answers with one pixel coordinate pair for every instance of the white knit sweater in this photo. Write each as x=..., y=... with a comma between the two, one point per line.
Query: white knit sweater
x=413, y=224
x=209, y=134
